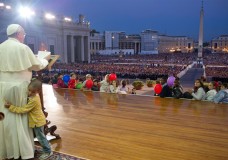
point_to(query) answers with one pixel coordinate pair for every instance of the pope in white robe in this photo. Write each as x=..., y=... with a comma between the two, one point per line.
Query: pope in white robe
x=16, y=64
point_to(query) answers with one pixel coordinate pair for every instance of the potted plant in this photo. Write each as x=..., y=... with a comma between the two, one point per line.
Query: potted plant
x=138, y=84
x=150, y=83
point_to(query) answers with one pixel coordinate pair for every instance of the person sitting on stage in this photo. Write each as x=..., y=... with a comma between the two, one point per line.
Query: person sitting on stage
x=113, y=87
x=72, y=82
x=123, y=89
x=37, y=118
x=104, y=84
x=222, y=95
x=197, y=93
x=209, y=96
x=177, y=91
x=88, y=77
x=166, y=89
x=95, y=86
x=60, y=81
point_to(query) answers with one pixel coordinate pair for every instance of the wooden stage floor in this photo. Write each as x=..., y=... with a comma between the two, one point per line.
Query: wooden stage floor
x=101, y=126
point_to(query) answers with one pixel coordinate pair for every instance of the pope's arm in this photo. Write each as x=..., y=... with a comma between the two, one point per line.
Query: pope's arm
x=24, y=109
x=36, y=63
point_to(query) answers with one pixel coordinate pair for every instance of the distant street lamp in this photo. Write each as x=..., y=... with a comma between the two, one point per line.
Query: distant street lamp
x=49, y=16
x=112, y=40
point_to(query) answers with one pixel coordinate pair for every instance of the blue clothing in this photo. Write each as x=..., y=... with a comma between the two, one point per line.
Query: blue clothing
x=39, y=132
x=221, y=96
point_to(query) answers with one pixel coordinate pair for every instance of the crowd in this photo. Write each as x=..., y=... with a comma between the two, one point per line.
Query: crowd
x=20, y=95
x=165, y=87
x=216, y=92
x=140, y=71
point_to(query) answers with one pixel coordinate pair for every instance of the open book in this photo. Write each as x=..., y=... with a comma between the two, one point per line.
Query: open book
x=43, y=54
x=53, y=59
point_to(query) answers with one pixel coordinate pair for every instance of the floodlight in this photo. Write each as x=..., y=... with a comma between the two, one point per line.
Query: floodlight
x=26, y=12
x=49, y=16
x=67, y=19
x=8, y=7
x=2, y=5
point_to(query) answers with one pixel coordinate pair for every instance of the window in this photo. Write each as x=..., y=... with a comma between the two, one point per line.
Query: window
x=52, y=49
x=189, y=45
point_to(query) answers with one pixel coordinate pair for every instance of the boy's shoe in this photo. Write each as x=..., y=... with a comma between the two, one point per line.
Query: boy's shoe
x=46, y=155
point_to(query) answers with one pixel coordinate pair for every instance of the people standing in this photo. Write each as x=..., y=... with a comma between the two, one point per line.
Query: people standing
x=37, y=118
x=16, y=65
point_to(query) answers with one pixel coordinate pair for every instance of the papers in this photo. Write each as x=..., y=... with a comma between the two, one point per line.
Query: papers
x=43, y=54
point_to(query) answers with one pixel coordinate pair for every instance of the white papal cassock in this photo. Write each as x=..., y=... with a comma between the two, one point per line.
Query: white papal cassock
x=16, y=64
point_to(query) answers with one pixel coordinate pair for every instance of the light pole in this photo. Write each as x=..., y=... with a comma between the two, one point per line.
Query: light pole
x=112, y=40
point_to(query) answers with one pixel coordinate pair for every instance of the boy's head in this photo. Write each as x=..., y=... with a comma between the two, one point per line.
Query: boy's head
x=60, y=75
x=88, y=76
x=73, y=76
x=95, y=82
x=34, y=87
x=163, y=80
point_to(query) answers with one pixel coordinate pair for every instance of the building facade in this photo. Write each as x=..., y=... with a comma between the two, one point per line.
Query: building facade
x=220, y=44
x=132, y=42
x=171, y=44
x=97, y=42
x=63, y=36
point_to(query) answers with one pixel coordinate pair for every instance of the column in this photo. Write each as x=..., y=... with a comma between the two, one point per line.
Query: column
x=82, y=49
x=135, y=44
x=65, y=48
x=72, y=49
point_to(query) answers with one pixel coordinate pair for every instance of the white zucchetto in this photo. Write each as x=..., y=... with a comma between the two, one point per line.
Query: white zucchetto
x=12, y=28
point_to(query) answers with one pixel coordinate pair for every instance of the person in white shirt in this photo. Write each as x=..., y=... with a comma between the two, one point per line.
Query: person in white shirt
x=16, y=65
x=104, y=84
x=198, y=92
x=113, y=87
x=123, y=89
x=209, y=96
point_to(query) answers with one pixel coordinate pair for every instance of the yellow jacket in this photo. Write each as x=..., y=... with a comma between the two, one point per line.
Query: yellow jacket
x=36, y=115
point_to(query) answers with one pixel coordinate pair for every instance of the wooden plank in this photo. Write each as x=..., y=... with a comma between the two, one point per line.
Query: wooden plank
x=110, y=126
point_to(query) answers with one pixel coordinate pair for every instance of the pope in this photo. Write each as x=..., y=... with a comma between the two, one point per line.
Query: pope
x=16, y=65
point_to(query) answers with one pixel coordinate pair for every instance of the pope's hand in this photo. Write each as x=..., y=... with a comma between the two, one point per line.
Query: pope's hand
x=7, y=104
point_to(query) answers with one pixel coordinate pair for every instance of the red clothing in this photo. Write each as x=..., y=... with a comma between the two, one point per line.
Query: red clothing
x=61, y=83
x=72, y=83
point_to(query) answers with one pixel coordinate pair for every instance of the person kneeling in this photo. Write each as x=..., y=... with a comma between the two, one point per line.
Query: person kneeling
x=37, y=118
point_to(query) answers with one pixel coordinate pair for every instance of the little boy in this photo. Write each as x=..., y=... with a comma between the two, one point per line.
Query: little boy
x=37, y=119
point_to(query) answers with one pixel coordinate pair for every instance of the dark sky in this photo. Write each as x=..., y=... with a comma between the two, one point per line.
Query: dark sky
x=171, y=17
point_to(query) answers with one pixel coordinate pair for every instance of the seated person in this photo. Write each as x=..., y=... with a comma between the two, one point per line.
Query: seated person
x=72, y=82
x=60, y=82
x=177, y=90
x=123, y=89
x=95, y=86
x=209, y=96
x=104, y=84
x=113, y=87
x=222, y=95
x=197, y=93
x=88, y=77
